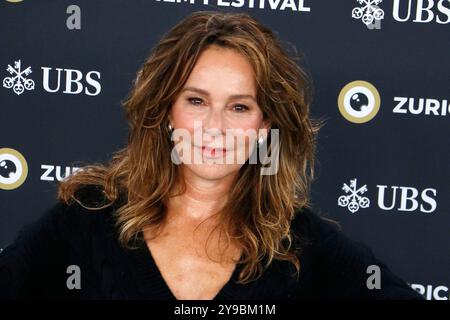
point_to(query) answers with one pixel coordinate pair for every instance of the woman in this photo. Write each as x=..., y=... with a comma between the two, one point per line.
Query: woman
x=175, y=214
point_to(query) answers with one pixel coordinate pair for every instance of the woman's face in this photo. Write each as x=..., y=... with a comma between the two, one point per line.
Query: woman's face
x=217, y=115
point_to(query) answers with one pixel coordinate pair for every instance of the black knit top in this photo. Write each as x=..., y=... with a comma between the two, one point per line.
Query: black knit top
x=36, y=264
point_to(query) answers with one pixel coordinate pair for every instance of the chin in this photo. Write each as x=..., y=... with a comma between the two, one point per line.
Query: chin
x=212, y=171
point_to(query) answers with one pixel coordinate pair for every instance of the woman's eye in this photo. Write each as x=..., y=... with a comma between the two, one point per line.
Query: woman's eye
x=194, y=100
x=240, y=107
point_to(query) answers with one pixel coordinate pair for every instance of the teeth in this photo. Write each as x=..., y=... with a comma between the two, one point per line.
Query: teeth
x=214, y=151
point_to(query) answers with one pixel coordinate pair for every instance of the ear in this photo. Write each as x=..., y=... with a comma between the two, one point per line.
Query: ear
x=266, y=125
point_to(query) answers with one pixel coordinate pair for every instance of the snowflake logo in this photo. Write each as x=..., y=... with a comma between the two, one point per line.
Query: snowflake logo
x=17, y=81
x=368, y=12
x=353, y=201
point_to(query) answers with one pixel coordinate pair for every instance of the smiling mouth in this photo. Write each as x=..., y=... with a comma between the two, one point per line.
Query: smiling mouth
x=212, y=152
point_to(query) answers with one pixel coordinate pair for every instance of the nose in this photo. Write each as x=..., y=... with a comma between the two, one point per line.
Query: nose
x=213, y=124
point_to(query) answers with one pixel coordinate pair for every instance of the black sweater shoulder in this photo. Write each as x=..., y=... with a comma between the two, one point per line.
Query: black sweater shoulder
x=36, y=264
x=337, y=267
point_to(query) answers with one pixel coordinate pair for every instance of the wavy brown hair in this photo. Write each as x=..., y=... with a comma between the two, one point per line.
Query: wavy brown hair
x=260, y=207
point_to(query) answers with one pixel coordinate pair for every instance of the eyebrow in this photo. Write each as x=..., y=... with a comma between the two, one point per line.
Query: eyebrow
x=206, y=93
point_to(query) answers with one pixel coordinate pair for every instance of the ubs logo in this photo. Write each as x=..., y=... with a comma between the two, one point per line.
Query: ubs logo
x=368, y=12
x=68, y=81
x=388, y=198
x=18, y=81
x=13, y=169
x=417, y=11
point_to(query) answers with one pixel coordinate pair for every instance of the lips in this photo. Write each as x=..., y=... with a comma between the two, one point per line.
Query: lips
x=212, y=151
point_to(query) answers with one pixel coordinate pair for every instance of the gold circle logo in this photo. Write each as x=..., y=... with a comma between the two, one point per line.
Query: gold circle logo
x=13, y=169
x=359, y=101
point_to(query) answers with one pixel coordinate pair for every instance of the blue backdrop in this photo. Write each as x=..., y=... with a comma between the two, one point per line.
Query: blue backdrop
x=381, y=72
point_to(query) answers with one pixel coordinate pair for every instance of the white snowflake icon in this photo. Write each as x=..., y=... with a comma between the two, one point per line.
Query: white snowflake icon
x=17, y=81
x=368, y=12
x=354, y=201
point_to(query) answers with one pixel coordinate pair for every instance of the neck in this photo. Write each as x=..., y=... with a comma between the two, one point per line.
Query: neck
x=201, y=198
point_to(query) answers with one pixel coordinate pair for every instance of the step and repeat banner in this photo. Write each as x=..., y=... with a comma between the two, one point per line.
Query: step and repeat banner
x=381, y=72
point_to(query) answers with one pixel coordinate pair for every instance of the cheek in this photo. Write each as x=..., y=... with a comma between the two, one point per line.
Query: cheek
x=249, y=126
x=185, y=121
x=181, y=118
